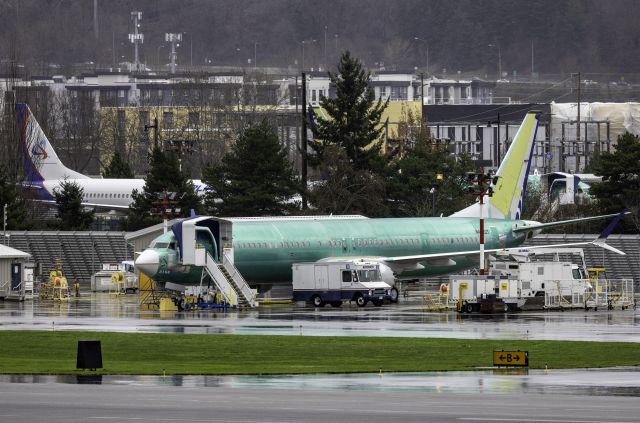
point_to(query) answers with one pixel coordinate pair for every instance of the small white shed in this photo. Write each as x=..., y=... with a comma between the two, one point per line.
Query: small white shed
x=12, y=265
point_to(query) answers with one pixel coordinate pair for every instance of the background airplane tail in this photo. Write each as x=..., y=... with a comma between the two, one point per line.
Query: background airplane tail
x=509, y=191
x=40, y=159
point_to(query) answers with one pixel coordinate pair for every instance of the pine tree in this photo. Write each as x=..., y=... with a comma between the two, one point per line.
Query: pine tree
x=164, y=176
x=71, y=212
x=16, y=206
x=354, y=116
x=254, y=179
x=620, y=171
x=413, y=184
x=117, y=168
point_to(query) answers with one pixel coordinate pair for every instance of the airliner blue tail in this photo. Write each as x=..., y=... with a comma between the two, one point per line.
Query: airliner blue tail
x=40, y=159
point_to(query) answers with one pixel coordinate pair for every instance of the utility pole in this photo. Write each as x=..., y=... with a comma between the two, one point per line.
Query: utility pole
x=578, y=131
x=174, y=39
x=303, y=147
x=155, y=131
x=136, y=38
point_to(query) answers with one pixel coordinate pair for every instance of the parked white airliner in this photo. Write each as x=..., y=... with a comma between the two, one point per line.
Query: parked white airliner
x=45, y=171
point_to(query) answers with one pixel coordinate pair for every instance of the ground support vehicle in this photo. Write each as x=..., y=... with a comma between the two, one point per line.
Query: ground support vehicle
x=333, y=282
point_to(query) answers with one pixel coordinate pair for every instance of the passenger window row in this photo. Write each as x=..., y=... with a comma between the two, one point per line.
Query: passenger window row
x=106, y=195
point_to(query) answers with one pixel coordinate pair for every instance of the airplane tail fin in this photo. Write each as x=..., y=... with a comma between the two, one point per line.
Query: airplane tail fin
x=40, y=159
x=508, y=193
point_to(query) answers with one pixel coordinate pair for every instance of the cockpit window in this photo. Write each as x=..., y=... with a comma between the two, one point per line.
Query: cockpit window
x=162, y=245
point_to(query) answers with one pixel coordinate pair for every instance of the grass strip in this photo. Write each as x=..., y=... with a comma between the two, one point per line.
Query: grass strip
x=40, y=352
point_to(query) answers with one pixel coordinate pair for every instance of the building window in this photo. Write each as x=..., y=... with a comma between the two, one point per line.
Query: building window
x=398, y=93
x=194, y=119
x=313, y=96
x=167, y=120
x=383, y=92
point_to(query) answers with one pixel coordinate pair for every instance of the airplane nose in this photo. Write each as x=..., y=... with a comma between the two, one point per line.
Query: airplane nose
x=148, y=262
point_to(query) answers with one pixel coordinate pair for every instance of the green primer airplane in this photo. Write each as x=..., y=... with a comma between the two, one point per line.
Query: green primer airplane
x=264, y=249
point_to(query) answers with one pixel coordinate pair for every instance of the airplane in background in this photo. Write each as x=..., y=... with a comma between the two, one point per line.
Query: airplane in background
x=264, y=249
x=45, y=172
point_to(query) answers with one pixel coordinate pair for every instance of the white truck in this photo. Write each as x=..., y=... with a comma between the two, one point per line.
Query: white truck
x=333, y=282
x=518, y=281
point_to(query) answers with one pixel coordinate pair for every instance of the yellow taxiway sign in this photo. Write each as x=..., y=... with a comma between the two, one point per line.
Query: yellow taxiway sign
x=510, y=358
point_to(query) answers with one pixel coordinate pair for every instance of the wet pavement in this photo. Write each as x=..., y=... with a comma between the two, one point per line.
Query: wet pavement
x=105, y=312
x=597, y=382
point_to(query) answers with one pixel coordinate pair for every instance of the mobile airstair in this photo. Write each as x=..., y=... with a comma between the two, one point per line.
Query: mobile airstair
x=193, y=235
x=228, y=280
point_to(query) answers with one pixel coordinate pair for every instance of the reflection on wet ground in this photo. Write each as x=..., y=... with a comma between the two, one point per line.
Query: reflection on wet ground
x=104, y=312
x=621, y=382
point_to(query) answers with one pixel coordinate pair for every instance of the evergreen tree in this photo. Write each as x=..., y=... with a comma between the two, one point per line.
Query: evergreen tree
x=620, y=171
x=354, y=117
x=164, y=176
x=71, y=212
x=11, y=196
x=117, y=168
x=347, y=190
x=254, y=179
x=413, y=187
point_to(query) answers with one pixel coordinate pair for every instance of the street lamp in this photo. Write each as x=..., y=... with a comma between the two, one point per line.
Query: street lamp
x=427, y=45
x=497, y=45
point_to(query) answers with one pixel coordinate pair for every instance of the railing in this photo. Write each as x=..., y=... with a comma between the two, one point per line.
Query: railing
x=608, y=293
x=242, y=285
x=230, y=294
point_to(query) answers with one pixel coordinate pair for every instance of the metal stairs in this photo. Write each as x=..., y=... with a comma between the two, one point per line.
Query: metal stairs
x=230, y=282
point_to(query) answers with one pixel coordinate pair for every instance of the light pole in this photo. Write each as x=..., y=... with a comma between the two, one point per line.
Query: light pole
x=325, y=48
x=174, y=39
x=255, y=54
x=303, y=42
x=427, y=46
x=158, y=54
x=497, y=45
x=190, y=34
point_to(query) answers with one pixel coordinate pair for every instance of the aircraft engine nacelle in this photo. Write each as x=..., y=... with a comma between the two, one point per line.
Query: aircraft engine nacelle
x=387, y=274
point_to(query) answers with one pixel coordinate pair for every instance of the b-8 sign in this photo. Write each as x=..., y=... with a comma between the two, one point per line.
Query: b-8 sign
x=511, y=358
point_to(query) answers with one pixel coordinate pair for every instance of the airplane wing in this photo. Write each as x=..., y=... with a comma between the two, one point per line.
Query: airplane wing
x=94, y=205
x=542, y=226
x=415, y=262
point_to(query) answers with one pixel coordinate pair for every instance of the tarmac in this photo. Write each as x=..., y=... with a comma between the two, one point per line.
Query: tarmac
x=516, y=395
x=122, y=402
x=121, y=313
